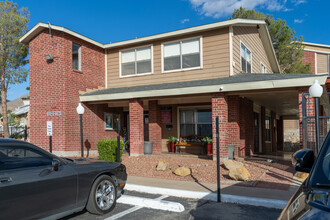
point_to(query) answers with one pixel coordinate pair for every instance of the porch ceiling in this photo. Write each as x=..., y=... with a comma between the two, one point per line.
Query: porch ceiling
x=284, y=102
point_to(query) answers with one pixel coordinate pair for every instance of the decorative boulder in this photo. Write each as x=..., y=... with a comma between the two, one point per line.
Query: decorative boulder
x=182, y=171
x=232, y=164
x=240, y=174
x=162, y=165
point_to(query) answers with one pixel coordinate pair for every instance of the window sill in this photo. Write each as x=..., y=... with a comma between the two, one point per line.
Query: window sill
x=143, y=74
x=109, y=129
x=182, y=70
x=77, y=71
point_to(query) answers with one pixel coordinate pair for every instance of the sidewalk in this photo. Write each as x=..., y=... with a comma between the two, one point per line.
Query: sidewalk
x=272, y=198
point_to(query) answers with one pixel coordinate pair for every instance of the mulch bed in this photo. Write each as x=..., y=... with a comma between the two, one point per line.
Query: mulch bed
x=264, y=174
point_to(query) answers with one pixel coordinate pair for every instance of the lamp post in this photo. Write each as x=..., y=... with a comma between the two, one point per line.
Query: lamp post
x=81, y=111
x=316, y=91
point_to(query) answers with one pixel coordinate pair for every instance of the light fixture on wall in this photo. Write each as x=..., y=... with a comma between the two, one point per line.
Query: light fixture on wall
x=49, y=57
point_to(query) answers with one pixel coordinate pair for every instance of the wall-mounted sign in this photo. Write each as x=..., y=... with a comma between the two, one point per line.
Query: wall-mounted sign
x=54, y=113
x=49, y=128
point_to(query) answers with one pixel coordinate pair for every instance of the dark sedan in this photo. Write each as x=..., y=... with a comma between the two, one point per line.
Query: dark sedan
x=311, y=200
x=36, y=184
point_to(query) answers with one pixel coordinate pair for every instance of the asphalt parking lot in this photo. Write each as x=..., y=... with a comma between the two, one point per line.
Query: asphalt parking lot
x=134, y=205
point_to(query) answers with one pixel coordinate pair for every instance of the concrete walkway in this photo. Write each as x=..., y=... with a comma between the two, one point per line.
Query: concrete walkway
x=272, y=198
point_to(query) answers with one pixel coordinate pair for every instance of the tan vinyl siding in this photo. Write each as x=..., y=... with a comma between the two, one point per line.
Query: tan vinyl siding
x=318, y=48
x=215, y=62
x=322, y=63
x=249, y=36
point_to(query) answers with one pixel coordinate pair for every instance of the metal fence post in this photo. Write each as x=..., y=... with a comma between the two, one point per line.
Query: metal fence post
x=218, y=160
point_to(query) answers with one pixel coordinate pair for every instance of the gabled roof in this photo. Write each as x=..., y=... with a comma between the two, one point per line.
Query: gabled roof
x=16, y=103
x=239, y=82
x=264, y=34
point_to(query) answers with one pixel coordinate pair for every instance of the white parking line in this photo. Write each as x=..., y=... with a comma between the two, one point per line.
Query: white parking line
x=146, y=203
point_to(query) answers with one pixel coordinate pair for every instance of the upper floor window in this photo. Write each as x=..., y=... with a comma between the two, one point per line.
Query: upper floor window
x=263, y=68
x=76, y=57
x=246, y=58
x=182, y=55
x=136, y=61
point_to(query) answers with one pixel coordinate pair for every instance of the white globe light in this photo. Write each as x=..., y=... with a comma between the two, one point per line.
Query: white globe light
x=80, y=109
x=316, y=90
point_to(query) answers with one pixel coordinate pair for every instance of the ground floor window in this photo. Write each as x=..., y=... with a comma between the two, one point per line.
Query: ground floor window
x=196, y=121
x=110, y=121
x=267, y=128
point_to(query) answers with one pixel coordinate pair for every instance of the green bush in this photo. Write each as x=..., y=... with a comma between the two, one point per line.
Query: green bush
x=107, y=149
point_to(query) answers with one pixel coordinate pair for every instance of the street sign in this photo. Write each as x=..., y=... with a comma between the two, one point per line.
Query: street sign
x=49, y=128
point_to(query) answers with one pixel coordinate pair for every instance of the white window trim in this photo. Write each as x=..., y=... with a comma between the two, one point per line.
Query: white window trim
x=135, y=48
x=262, y=64
x=240, y=52
x=186, y=69
x=79, y=57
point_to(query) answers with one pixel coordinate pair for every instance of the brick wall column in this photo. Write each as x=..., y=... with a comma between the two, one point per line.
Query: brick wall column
x=220, y=108
x=309, y=108
x=246, y=126
x=234, y=123
x=136, y=127
x=155, y=130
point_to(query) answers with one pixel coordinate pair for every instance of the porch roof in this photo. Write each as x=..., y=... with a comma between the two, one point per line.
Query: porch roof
x=239, y=82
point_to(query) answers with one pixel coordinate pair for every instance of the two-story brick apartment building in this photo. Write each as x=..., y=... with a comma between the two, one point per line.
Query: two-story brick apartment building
x=169, y=84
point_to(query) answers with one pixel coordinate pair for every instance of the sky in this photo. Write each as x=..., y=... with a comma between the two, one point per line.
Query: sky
x=111, y=20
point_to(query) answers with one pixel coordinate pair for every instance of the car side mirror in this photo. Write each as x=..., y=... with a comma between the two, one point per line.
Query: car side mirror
x=303, y=160
x=55, y=165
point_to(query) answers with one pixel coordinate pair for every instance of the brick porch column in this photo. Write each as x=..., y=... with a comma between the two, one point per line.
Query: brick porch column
x=280, y=134
x=155, y=130
x=234, y=123
x=220, y=108
x=136, y=136
x=263, y=129
x=309, y=108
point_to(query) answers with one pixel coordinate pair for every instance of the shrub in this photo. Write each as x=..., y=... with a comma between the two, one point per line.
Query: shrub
x=107, y=149
x=173, y=139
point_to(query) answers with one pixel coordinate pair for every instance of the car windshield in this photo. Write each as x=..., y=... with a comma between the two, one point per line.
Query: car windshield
x=321, y=173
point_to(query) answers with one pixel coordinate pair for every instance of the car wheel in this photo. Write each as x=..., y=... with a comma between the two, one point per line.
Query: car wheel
x=103, y=196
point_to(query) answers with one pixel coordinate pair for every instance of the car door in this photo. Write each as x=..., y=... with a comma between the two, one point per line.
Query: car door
x=30, y=188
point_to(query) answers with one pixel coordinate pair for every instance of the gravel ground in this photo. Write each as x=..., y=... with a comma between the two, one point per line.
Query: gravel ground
x=264, y=174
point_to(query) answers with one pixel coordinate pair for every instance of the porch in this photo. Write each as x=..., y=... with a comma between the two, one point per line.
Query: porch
x=251, y=108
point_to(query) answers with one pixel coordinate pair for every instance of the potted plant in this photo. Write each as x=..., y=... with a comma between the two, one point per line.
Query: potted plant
x=172, y=140
x=208, y=141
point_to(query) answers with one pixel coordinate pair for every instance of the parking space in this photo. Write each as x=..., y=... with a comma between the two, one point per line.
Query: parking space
x=149, y=206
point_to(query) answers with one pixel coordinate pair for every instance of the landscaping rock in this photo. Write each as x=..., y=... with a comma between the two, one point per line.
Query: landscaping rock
x=182, y=171
x=232, y=164
x=162, y=165
x=240, y=174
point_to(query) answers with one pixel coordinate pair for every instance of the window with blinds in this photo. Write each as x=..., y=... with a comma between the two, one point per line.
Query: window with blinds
x=245, y=59
x=136, y=61
x=180, y=55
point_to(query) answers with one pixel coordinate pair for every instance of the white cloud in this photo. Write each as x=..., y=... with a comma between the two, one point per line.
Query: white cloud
x=298, y=21
x=185, y=20
x=222, y=8
x=298, y=2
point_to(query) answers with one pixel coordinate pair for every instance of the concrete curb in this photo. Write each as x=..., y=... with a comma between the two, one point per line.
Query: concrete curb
x=244, y=200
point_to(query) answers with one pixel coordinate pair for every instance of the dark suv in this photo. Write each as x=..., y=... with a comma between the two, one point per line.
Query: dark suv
x=312, y=199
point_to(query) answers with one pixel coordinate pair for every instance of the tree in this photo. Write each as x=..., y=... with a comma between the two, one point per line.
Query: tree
x=288, y=48
x=13, y=25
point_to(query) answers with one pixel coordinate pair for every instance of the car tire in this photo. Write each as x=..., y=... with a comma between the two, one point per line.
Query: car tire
x=103, y=196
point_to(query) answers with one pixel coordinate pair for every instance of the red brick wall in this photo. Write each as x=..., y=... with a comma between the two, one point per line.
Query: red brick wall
x=155, y=130
x=136, y=127
x=234, y=123
x=246, y=127
x=54, y=86
x=309, y=57
x=220, y=108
